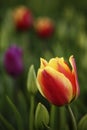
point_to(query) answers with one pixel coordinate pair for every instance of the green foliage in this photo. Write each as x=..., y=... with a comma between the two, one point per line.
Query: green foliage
x=6, y=123
x=83, y=123
x=16, y=114
x=6, y=30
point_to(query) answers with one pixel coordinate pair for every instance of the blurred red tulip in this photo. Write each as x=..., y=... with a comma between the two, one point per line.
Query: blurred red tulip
x=22, y=18
x=44, y=27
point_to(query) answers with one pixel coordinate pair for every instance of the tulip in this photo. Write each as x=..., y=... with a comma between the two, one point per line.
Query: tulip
x=41, y=117
x=57, y=82
x=31, y=81
x=44, y=27
x=13, y=62
x=23, y=18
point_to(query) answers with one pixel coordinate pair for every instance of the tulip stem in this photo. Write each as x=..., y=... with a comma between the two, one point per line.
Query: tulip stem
x=31, y=113
x=53, y=118
x=72, y=117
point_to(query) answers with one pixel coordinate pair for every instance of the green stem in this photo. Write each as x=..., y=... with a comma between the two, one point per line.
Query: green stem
x=72, y=117
x=54, y=118
x=31, y=113
x=62, y=119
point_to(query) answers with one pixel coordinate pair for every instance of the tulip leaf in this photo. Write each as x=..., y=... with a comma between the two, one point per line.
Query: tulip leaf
x=6, y=123
x=83, y=123
x=16, y=113
x=22, y=105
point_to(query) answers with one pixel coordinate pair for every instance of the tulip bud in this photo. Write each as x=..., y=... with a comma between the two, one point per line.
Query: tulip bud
x=22, y=18
x=57, y=82
x=32, y=82
x=44, y=27
x=13, y=62
x=41, y=117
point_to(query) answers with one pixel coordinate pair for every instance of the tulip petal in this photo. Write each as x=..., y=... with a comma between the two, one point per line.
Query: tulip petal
x=55, y=62
x=60, y=65
x=54, y=86
x=43, y=63
x=74, y=72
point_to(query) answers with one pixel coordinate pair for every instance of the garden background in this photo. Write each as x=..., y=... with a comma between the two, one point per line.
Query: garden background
x=69, y=38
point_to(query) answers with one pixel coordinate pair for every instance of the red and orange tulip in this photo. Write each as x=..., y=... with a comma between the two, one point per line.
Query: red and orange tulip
x=44, y=27
x=57, y=82
x=23, y=18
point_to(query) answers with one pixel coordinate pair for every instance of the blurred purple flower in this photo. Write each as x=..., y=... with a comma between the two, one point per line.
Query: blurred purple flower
x=13, y=61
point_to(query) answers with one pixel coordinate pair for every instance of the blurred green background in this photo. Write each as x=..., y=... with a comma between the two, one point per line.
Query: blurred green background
x=70, y=37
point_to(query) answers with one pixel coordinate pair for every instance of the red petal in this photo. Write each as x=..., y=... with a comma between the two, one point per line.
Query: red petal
x=60, y=65
x=55, y=86
x=76, y=88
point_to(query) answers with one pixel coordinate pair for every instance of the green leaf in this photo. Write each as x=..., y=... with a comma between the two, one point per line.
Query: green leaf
x=16, y=113
x=83, y=123
x=6, y=123
x=22, y=105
